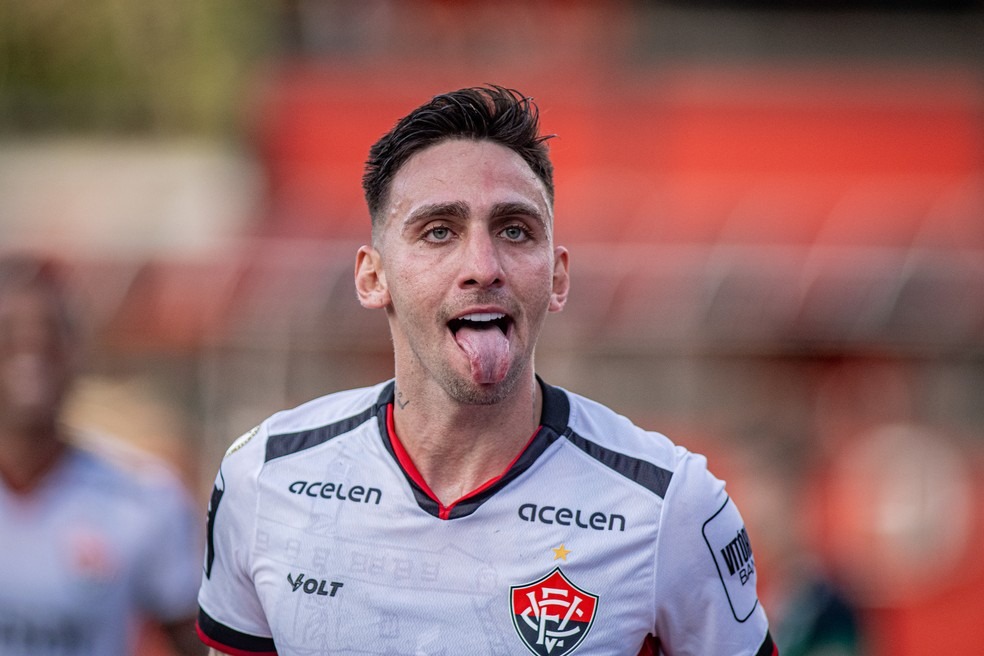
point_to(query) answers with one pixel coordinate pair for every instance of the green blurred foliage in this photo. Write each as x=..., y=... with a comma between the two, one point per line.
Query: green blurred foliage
x=129, y=66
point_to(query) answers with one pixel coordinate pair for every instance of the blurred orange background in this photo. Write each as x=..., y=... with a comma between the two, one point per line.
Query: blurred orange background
x=775, y=213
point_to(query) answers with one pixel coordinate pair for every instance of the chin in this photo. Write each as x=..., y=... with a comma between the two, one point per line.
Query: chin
x=468, y=392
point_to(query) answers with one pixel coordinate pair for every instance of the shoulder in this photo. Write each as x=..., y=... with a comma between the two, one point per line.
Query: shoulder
x=600, y=422
x=649, y=458
x=313, y=422
x=329, y=409
x=614, y=439
x=104, y=461
x=251, y=465
x=131, y=485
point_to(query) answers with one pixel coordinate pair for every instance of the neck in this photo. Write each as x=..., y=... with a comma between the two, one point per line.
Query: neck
x=27, y=454
x=456, y=447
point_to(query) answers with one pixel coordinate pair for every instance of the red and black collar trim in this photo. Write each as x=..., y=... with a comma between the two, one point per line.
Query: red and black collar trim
x=542, y=438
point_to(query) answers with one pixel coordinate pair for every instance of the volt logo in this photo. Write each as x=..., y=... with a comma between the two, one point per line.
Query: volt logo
x=314, y=586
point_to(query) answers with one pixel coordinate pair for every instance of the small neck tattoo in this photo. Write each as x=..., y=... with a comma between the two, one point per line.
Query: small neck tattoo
x=400, y=401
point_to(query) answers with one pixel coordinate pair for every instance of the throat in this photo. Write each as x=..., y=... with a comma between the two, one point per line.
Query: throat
x=450, y=472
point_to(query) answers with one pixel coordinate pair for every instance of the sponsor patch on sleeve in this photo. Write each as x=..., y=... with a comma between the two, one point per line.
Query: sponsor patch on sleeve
x=731, y=550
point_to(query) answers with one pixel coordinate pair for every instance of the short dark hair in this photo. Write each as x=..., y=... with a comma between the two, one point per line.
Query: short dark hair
x=494, y=113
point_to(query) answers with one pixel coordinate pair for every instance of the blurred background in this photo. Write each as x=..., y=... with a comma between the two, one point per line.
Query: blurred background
x=775, y=212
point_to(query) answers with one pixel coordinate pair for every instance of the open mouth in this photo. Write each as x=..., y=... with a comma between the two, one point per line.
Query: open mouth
x=481, y=321
x=484, y=339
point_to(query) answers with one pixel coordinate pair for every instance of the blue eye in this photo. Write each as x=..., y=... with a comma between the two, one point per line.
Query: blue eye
x=514, y=233
x=439, y=233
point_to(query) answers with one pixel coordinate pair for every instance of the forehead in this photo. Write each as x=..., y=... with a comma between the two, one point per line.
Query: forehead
x=478, y=173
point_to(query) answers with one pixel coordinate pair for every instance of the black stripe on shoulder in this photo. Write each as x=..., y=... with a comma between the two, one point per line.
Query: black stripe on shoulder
x=556, y=417
x=650, y=476
x=556, y=408
x=288, y=443
x=223, y=636
x=768, y=647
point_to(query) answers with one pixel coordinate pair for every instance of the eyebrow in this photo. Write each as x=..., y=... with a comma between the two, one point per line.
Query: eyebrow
x=460, y=210
x=456, y=209
x=525, y=209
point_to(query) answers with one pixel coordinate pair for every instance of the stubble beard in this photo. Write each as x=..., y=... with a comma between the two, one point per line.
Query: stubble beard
x=468, y=392
x=461, y=388
x=465, y=391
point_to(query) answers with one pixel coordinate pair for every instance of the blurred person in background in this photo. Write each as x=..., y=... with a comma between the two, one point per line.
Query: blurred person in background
x=817, y=618
x=90, y=546
x=467, y=506
x=811, y=611
x=812, y=614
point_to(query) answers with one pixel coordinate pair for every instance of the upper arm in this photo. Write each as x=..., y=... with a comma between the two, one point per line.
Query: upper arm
x=706, y=574
x=230, y=610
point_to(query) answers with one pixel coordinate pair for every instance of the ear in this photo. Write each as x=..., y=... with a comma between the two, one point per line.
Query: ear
x=561, y=280
x=370, y=281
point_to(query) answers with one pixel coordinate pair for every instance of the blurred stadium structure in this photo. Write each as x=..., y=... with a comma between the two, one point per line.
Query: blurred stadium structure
x=775, y=212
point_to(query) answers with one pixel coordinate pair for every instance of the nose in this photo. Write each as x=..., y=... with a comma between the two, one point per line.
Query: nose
x=482, y=263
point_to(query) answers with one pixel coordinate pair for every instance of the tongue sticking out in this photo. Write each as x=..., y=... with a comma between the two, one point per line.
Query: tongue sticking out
x=487, y=350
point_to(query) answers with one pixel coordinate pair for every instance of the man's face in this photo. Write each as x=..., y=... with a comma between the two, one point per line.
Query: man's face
x=466, y=268
x=36, y=357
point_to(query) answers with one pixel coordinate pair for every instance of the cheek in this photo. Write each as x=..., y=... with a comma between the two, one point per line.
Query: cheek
x=413, y=293
x=405, y=284
x=537, y=278
x=421, y=272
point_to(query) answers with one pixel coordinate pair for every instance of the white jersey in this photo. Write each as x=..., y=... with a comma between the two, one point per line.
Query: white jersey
x=87, y=550
x=601, y=538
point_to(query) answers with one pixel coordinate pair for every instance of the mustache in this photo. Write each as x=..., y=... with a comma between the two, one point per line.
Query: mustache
x=501, y=299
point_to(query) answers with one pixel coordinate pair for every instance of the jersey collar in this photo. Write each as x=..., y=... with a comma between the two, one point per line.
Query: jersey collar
x=554, y=419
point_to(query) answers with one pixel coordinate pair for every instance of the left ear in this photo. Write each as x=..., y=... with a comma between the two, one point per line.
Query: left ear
x=370, y=282
x=561, y=280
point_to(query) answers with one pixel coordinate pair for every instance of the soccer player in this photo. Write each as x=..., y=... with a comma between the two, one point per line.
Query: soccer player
x=468, y=506
x=88, y=546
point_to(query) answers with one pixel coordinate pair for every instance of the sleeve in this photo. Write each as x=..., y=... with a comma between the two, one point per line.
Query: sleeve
x=707, y=603
x=230, y=616
x=171, y=575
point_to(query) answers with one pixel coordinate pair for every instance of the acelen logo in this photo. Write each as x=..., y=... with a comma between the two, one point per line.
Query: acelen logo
x=552, y=615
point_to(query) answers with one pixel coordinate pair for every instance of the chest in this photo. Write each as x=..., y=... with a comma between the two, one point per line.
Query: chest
x=348, y=561
x=66, y=560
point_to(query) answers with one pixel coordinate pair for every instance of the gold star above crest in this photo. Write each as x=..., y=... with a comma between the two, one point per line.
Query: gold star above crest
x=560, y=553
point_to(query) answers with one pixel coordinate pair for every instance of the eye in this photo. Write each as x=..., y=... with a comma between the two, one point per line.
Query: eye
x=438, y=233
x=515, y=233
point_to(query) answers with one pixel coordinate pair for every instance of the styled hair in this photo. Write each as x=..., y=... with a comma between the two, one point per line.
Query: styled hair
x=494, y=113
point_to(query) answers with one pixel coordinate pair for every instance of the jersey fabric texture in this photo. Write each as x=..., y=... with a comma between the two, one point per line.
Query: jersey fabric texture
x=601, y=538
x=89, y=548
